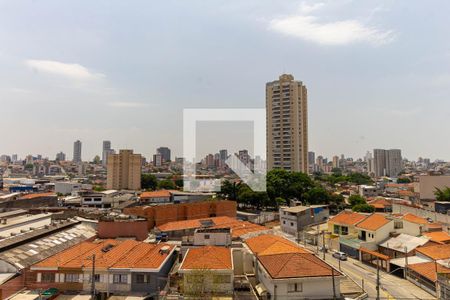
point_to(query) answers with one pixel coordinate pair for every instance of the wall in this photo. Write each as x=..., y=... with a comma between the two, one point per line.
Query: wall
x=161, y=214
x=436, y=217
x=12, y=286
x=428, y=184
x=136, y=229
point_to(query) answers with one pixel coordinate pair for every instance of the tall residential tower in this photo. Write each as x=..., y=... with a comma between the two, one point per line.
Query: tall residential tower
x=287, y=124
x=124, y=171
x=77, y=151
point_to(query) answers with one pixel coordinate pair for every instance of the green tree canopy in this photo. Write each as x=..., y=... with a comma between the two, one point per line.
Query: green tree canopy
x=363, y=207
x=149, y=182
x=166, y=184
x=442, y=194
x=403, y=180
x=356, y=200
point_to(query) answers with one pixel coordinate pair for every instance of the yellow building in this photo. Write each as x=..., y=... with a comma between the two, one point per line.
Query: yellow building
x=124, y=171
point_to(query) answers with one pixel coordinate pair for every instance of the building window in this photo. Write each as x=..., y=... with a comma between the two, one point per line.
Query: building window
x=292, y=223
x=284, y=222
x=344, y=230
x=206, y=236
x=398, y=224
x=295, y=287
x=140, y=278
x=336, y=229
x=120, y=278
x=48, y=277
x=72, y=277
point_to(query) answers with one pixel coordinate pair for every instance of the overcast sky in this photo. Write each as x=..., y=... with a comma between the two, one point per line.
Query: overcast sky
x=377, y=72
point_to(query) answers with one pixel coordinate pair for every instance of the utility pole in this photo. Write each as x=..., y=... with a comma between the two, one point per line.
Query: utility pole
x=323, y=244
x=406, y=262
x=93, y=278
x=378, y=279
x=334, y=284
x=317, y=238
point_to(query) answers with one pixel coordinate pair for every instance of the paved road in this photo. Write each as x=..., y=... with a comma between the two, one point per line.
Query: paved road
x=392, y=287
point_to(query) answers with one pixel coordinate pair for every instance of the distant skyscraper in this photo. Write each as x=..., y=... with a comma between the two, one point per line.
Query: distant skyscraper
x=287, y=124
x=223, y=154
x=387, y=162
x=106, y=150
x=77, y=151
x=124, y=171
x=157, y=160
x=14, y=158
x=335, y=162
x=165, y=153
x=61, y=156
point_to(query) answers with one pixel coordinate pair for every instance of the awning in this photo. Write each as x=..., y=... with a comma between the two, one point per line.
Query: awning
x=261, y=289
x=400, y=262
x=375, y=253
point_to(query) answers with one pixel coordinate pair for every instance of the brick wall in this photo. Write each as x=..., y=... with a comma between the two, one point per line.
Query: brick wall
x=161, y=214
x=136, y=229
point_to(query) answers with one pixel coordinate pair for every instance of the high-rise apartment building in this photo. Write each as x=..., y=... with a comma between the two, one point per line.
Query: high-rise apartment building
x=387, y=162
x=165, y=153
x=61, y=156
x=124, y=171
x=223, y=154
x=106, y=150
x=287, y=124
x=76, y=151
x=157, y=160
x=335, y=162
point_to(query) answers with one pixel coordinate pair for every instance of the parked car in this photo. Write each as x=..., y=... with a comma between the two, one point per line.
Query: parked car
x=340, y=255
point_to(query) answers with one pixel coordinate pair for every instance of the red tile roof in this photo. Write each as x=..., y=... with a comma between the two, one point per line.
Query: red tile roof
x=109, y=254
x=438, y=236
x=348, y=218
x=415, y=219
x=238, y=228
x=296, y=265
x=373, y=222
x=207, y=258
x=436, y=251
x=155, y=194
x=37, y=195
x=428, y=269
x=269, y=244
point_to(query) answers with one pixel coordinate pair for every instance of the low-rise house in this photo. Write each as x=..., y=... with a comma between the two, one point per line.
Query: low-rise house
x=381, y=204
x=162, y=196
x=120, y=267
x=206, y=271
x=284, y=270
x=401, y=245
x=434, y=252
x=425, y=275
x=178, y=229
x=295, y=219
x=344, y=223
x=368, y=191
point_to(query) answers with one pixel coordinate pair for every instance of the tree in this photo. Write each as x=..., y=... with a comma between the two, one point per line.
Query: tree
x=96, y=160
x=442, y=194
x=166, y=184
x=356, y=200
x=149, y=182
x=318, y=195
x=403, y=180
x=363, y=207
x=288, y=185
x=229, y=190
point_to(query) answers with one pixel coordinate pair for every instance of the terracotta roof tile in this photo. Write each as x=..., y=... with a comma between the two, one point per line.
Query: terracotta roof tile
x=373, y=222
x=348, y=218
x=144, y=256
x=37, y=195
x=269, y=244
x=238, y=228
x=208, y=257
x=436, y=251
x=438, y=236
x=415, y=219
x=155, y=194
x=428, y=269
x=295, y=265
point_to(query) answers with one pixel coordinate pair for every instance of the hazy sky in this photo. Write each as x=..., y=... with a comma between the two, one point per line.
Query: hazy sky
x=377, y=72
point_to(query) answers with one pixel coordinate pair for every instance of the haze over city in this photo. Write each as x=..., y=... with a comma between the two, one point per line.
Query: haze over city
x=377, y=73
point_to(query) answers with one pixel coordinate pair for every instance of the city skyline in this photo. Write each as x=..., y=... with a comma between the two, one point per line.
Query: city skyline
x=367, y=72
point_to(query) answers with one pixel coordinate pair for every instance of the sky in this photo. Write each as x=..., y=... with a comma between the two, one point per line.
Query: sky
x=377, y=72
